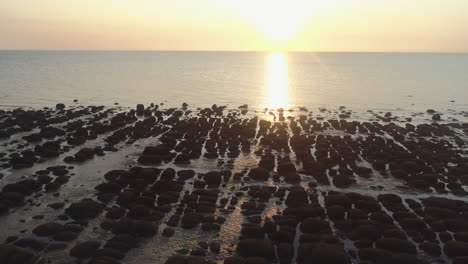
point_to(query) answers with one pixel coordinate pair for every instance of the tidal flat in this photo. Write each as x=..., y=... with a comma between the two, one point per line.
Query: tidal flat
x=95, y=184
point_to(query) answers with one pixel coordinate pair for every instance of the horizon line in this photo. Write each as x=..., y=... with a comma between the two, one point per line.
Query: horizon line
x=246, y=51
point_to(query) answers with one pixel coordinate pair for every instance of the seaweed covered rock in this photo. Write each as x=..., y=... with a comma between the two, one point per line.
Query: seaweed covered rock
x=85, y=209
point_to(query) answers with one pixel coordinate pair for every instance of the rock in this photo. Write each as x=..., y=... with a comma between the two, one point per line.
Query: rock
x=213, y=178
x=176, y=260
x=436, y=117
x=110, y=252
x=389, y=198
x=234, y=260
x=286, y=167
x=338, y=199
x=430, y=248
x=292, y=178
x=454, y=248
x=31, y=243
x=396, y=245
x=460, y=260
x=461, y=236
x=48, y=229
x=159, y=150
x=168, y=232
x=55, y=246
x=215, y=247
x=314, y=225
x=84, y=154
x=285, y=251
x=10, y=254
x=182, y=159
x=86, y=208
x=255, y=248
x=65, y=236
x=305, y=211
x=108, y=187
x=138, y=227
x=252, y=231
x=56, y=206
x=366, y=232
x=322, y=253
x=149, y=160
x=336, y=212
x=343, y=181
x=85, y=249
x=60, y=106
x=403, y=258
x=259, y=174
x=375, y=255
x=115, y=213
x=140, y=109
x=198, y=252
x=185, y=174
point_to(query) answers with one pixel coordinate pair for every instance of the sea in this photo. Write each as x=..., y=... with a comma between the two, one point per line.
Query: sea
x=360, y=81
x=315, y=84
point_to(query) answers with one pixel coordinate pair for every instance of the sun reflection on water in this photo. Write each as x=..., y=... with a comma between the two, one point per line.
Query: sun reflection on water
x=277, y=82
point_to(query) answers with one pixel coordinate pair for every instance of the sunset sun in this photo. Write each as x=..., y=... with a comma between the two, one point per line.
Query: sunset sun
x=278, y=23
x=278, y=20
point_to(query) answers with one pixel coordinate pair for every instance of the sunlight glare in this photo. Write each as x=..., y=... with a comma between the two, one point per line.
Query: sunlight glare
x=282, y=20
x=277, y=82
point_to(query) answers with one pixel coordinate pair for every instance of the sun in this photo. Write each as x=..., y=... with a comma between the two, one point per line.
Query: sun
x=282, y=20
x=278, y=24
x=279, y=21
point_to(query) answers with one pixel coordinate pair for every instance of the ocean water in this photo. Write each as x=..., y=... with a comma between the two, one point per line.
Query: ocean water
x=404, y=84
x=360, y=81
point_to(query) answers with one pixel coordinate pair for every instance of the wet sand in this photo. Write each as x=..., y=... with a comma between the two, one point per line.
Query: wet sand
x=232, y=185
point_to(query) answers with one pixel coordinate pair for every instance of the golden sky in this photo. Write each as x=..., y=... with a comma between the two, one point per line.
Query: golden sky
x=293, y=25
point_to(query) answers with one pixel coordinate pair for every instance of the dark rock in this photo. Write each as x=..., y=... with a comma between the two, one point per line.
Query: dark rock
x=110, y=252
x=460, y=260
x=456, y=248
x=65, y=236
x=84, y=209
x=115, y=213
x=322, y=253
x=366, y=232
x=375, y=255
x=255, y=248
x=10, y=254
x=396, y=245
x=259, y=174
x=31, y=243
x=338, y=199
x=215, y=247
x=140, y=109
x=55, y=246
x=430, y=248
x=182, y=159
x=213, y=178
x=56, y=205
x=168, y=232
x=85, y=249
x=48, y=229
x=84, y=154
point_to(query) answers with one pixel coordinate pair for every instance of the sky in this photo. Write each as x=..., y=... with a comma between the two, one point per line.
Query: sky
x=246, y=25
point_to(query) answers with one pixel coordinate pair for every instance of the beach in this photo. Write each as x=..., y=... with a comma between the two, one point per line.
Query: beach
x=224, y=184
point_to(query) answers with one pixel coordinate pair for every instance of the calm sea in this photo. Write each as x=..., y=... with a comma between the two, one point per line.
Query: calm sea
x=359, y=81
